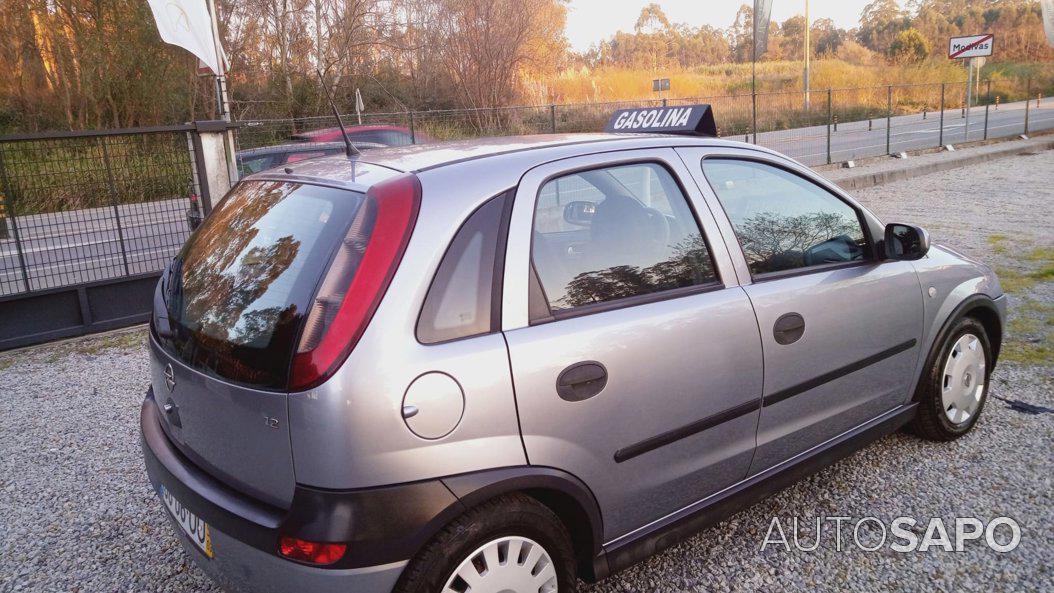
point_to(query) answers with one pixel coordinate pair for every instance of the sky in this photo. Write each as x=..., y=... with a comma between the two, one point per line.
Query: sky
x=589, y=21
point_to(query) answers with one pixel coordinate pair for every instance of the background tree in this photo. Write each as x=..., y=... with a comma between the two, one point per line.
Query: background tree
x=909, y=47
x=79, y=64
x=880, y=22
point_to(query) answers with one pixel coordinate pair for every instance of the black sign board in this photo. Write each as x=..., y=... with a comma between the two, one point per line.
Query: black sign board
x=688, y=120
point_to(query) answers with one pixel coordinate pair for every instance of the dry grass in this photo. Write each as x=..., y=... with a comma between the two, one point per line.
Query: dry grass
x=585, y=85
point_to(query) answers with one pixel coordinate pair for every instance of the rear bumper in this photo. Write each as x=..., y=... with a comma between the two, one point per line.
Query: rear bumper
x=245, y=532
x=238, y=567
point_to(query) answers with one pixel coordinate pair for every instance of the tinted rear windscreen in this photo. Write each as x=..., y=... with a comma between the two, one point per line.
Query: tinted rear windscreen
x=238, y=292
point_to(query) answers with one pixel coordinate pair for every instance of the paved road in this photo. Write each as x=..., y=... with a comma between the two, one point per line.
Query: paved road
x=860, y=139
x=72, y=247
x=63, y=248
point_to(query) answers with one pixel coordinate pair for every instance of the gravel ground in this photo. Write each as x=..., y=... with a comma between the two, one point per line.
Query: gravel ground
x=77, y=512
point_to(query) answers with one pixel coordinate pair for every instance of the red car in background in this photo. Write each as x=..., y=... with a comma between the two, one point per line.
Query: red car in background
x=380, y=134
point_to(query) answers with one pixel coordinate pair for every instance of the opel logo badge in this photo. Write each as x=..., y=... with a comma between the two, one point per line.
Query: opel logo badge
x=170, y=378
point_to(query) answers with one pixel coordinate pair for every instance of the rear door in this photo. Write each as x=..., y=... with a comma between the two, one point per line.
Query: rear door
x=840, y=329
x=635, y=355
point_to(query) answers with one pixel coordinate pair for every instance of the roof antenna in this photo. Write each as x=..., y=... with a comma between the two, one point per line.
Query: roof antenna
x=349, y=149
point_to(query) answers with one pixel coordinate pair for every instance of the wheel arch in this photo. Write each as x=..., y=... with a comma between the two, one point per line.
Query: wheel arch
x=978, y=306
x=993, y=326
x=564, y=494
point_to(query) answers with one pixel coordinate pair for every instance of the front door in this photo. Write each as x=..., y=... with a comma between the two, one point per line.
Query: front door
x=840, y=329
x=635, y=354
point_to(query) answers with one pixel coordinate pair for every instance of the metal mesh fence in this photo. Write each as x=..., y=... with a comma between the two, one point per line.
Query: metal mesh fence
x=81, y=207
x=828, y=125
x=84, y=207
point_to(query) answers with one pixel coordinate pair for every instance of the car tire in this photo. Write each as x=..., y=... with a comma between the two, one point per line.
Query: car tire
x=503, y=530
x=950, y=401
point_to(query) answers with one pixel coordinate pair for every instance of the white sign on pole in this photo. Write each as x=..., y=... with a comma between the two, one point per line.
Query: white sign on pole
x=1048, y=19
x=187, y=24
x=205, y=70
x=971, y=46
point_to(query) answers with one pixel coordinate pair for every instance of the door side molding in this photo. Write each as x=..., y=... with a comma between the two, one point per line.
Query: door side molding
x=838, y=373
x=666, y=438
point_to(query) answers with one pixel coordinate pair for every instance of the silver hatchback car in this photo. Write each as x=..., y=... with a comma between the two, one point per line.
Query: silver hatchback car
x=506, y=364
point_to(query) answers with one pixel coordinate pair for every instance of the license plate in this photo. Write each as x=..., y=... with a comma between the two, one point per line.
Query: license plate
x=192, y=525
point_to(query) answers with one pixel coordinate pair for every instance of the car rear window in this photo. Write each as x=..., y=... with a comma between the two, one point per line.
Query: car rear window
x=238, y=291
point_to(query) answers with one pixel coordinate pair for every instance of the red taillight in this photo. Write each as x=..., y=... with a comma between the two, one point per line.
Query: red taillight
x=313, y=552
x=357, y=279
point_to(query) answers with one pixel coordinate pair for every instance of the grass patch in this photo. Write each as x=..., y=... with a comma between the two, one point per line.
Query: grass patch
x=1028, y=353
x=1013, y=281
x=6, y=363
x=120, y=341
x=1016, y=281
x=998, y=244
x=1030, y=331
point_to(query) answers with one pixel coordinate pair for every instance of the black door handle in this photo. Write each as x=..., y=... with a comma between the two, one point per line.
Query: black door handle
x=581, y=381
x=789, y=328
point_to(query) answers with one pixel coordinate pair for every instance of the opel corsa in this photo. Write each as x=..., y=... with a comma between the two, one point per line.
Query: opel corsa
x=506, y=364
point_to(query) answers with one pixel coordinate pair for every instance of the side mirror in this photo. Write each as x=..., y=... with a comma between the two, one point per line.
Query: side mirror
x=906, y=242
x=580, y=213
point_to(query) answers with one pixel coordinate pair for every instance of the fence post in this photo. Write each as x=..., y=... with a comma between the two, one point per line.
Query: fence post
x=987, y=105
x=9, y=201
x=1028, y=101
x=413, y=129
x=754, y=114
x=940, y=137
x=828, y=126
x=210, y=157
x=113, y=201
x=889, y=114
x=552, y=117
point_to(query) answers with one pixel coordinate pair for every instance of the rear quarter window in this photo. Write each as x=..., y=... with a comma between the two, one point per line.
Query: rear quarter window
x=460, y=301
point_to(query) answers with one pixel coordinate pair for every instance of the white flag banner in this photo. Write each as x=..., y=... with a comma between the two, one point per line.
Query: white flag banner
x=1048, y=19
x=187, y=23
x=762, y=16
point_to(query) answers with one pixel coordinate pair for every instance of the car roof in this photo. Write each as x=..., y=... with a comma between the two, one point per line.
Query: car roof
x=416, y=158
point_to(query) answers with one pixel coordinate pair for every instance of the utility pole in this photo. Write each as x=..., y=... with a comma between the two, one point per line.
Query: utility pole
x=754, y=75
x=807, y=52
x=969, y=97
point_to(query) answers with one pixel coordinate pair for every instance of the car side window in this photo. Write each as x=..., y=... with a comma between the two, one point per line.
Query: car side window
x=783, y=221
x=460, y=300
x=252, y=165
x=613, y=233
